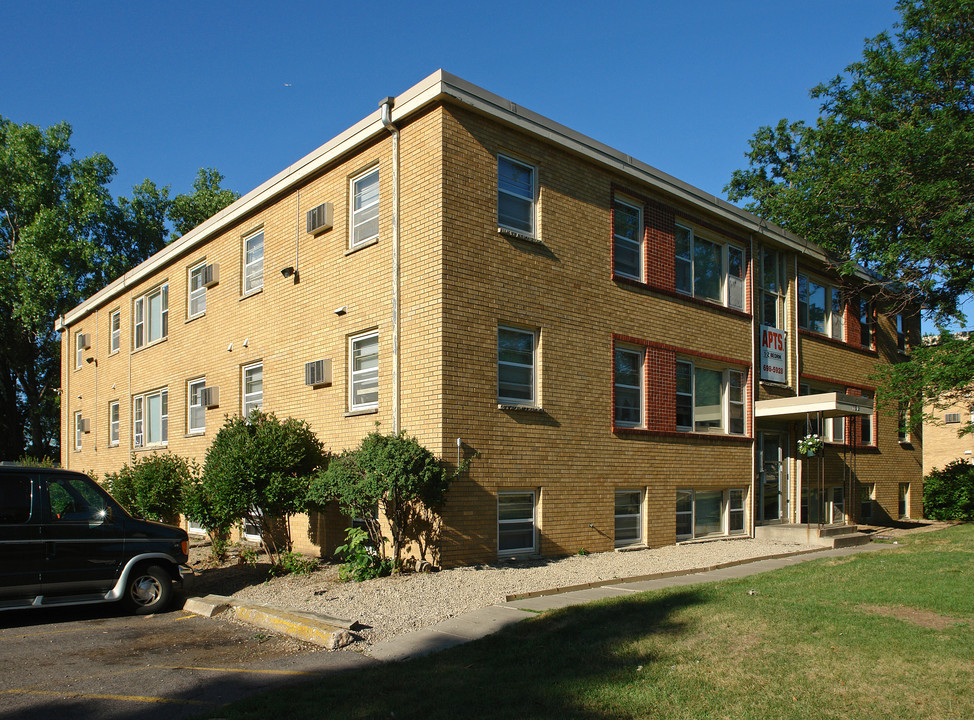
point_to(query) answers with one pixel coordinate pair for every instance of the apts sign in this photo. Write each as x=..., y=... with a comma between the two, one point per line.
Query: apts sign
x=774, y=367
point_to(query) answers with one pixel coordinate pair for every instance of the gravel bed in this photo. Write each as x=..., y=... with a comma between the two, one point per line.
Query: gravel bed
x=390, y=606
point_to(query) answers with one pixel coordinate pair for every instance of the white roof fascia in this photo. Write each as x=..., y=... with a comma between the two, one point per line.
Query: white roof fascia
x=436, y=87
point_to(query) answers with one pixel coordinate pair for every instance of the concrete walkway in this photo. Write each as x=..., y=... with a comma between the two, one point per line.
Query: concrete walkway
x=482, y=622
x=334, y=633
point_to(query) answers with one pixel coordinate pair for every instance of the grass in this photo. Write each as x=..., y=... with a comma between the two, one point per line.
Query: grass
x=874, y=635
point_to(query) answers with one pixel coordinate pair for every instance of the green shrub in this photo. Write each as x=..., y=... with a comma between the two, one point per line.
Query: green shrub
x=293, y=563
x=153, y=486
x=948, y=494
x=360, y=559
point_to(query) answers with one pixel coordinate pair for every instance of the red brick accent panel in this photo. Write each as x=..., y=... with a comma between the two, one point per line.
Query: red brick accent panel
x=660, y=367
x=853, y=328
x=660, y=247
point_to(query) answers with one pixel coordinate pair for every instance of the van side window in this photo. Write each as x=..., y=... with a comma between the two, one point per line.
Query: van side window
x=14, y=500
x=74, y=499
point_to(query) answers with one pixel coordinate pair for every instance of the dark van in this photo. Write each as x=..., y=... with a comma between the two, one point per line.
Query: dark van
x=65, y=541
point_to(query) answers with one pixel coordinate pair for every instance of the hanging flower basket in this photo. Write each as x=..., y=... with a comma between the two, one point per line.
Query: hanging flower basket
x=811, y=445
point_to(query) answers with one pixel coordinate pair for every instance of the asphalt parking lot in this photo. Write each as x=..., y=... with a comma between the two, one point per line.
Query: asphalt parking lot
x=99, y=662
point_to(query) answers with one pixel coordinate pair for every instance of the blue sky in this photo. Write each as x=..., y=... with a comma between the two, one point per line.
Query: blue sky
x=248, y=88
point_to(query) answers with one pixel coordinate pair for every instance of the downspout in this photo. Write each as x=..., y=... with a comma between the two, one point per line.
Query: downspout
x=755, y=389
x=386, y=107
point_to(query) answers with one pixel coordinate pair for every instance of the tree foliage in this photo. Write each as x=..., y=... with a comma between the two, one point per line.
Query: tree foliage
x=948, y=493
x=206, y=200
x=388, y=475
x=63, y=237
x=152, y=487
x=258, y=468
x=884, y=177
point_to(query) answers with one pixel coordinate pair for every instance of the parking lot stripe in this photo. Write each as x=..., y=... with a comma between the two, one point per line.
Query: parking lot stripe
x=96, y=696
x=236, y=670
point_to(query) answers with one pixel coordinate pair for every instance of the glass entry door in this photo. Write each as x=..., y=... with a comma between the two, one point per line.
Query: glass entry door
x=771, y=477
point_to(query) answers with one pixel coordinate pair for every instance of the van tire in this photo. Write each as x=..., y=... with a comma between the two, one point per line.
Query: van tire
x=148, y=590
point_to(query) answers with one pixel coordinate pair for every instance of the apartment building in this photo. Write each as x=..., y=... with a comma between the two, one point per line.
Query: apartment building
x=634, y=360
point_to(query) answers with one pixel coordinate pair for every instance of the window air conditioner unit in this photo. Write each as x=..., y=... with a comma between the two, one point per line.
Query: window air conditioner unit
x=84, y=341
x=85, y=425
x=317, y=372
x=319, y=218
x=211, y=275
x=952, y=418
x=210, y=397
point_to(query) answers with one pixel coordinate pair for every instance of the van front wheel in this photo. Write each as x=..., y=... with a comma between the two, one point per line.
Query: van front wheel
x=149, y=590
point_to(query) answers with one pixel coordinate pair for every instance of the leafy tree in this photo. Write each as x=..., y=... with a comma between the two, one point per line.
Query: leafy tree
x=153, y=486
x=207, y=199
x=884, y=178
x=259, y=469
x=388, y=473
x=63, y=237
x=948, y=494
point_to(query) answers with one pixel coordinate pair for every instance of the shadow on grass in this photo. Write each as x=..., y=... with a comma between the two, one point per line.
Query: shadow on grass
x=566, y=663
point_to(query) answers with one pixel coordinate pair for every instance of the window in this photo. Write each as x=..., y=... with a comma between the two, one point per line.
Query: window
x=515, y=195
x=79, y=430
x=251, y=527
x=516, y=523
x=197, y=291
x=79, y=349
x=150, y=419
x=113, y=423
x=365, y=208
x=903, y=506
x=834, y=430
x=151, y=312
x=772, y=282
x=628, y=517
x=253, y=388
x=867, y=494
x=196, y=419
x=516, y=367
x=866, y=436
x=701, y=513
x=709, y=400
x=709, y=270
x=900, y=332
x=15, y=499
x=820, y=307
x=627, y=235
x=867, y=324
x=363, y=382
x=951, y=418
x=628, y=387
x=115, y=325
x=253, y=274
x=903, y=421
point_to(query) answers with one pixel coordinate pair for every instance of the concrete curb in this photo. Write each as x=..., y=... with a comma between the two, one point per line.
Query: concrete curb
x=328, y=632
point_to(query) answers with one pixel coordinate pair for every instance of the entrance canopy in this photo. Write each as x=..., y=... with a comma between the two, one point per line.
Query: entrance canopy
x=830, y=405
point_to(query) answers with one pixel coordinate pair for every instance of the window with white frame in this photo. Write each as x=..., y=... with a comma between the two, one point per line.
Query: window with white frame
x=515, y=195
x=194, y=528
x=363, y=380
x=151, y=313
x=115, y=328
x=628, y=517
x=365, y=208
x=867, y=495
x=113, y=423
x=703, y=513
x=516, y=521
x=79, y=350
x=867, y=323
x=709, y=400
x=903, y=507
x=834, y=428
x=866, y=432
x=516, y=367
x=709, y=270
x=772, y=281
x=820, y=307
x=627, y=239
x=150, y=419
x=197, y=291
x=900, y=332
x=79, y=430
x=253, y=270
x=196, y=413
x=628, y=387
x=253, y=388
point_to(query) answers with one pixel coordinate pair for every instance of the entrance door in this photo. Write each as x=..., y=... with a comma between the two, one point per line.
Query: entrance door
x=771, y=490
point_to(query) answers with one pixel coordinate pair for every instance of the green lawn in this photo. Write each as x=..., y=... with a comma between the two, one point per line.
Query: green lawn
x=875, y=635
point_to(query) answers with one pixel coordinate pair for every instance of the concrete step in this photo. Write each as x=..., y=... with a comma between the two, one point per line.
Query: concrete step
x=849, y=539
x=830, y=530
